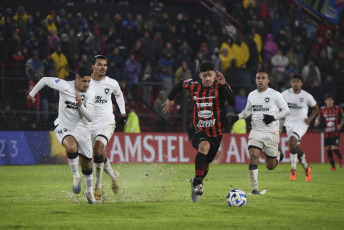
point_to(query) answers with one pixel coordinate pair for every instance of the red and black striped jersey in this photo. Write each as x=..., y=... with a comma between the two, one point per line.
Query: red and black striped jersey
x=209, y=112
x=331, y=117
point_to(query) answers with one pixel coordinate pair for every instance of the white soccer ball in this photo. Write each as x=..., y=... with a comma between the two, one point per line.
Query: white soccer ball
x=236, y=198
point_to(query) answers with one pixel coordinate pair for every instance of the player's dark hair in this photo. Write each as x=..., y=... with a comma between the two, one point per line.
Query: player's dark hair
x=296, y=76
x=263, y=71
x=328, y=95
x=206, y=66
x=83, y=71
x=94, y=59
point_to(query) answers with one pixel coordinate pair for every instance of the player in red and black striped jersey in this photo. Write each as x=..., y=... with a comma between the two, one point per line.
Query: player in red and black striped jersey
x=209, y=116
x=333, y=118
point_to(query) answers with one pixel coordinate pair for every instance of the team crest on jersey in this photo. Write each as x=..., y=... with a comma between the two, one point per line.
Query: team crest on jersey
x=301, y=99
x=107, y=90
x=267, y=99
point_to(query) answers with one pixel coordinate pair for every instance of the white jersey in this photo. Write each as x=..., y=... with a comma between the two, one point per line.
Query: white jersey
x=298, y=105
x=103, y=104
x=70, y=115
x=268, y=102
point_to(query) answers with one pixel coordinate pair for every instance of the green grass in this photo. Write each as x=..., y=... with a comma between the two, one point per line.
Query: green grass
x=157, y=196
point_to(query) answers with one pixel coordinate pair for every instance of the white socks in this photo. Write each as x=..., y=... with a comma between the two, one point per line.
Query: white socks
x=108, y=169
x=98, y=168
x=74, y=166
x=293, y=159
x=303, y=161
x=253, y=174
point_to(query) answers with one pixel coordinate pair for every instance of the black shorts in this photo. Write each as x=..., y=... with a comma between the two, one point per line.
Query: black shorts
x=197, y=136
x=331, y=141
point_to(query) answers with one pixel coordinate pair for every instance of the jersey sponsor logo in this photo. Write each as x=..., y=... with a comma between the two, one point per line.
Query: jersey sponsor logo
x=107, y=90
x=257, y=108
x=57, y=80
x=294, y=106
x=100, y=100
x=208, y=123
x=203, y=98
x=205, y=104
x=301, y=99
x=71, y=105
x=267, y=99
x=205, y=113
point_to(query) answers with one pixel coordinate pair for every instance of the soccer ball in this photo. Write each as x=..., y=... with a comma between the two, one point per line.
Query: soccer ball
x=236, y=198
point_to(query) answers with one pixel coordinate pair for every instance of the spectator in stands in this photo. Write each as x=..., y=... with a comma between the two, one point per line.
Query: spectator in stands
x=282, y=41
x=166, y=78
x=310, y=72
x=324, y=63
x=162, y=117
x=61, y=63
x=338, y=73
x=148, y=48
x=241, y=51
x=53, y=40
x=83, y=62
x=18, y=57
x=215, y=58
x=8, y=118
x=329, y=87
x=318, y=46
x=205, y=52
x=34, y=67
x=182, y=72
x=148, y=76
x=233, y=75
x=131, y=72
x=66, y=47
x=310, y=28
x=270, y=48
x=195, y=65
x=133, y=124
x=183, y=57
x=279, y=63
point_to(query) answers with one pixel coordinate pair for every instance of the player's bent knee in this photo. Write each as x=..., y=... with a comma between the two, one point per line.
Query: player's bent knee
x=204, y=147
x=88, y=171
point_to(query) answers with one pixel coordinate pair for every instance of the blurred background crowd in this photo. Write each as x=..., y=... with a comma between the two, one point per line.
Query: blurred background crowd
x=151, y=45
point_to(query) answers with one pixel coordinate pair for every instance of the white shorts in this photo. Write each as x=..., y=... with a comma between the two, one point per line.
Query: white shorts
x=104, y=131
x=267, y=142
x=297, y=131
x=82, y=137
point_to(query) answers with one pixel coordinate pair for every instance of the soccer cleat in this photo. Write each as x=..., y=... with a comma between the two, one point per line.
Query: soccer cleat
x=114, y=183
x=333, y=169
x=90, y=199
x=77, y=185
x=196, y=191
x=281, y=153
x=97, y=193
x=308, y=174
x=255, y=192
x=293, y=175
x=341, y=163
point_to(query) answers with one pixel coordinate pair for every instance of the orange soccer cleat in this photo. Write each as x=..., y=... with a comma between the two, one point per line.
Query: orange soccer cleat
x=308, y=174
x=293, y=175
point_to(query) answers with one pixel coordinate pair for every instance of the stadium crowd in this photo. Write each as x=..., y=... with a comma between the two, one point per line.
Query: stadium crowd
x=149, y=53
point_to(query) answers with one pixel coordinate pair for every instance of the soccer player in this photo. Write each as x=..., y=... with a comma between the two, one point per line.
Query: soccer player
x=103, y=124
x=331, y=114
x=76, y=110
x=297, y=123
x=209, y=115
x=266, y=106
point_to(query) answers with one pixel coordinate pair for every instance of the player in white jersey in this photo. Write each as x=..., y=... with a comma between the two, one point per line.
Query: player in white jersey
x=297, y=123
x=103, y=124
x=266, y=106
x=76, y=110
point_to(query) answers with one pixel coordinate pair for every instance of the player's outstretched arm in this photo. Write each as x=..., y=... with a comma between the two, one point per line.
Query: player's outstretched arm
x=45, y=81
